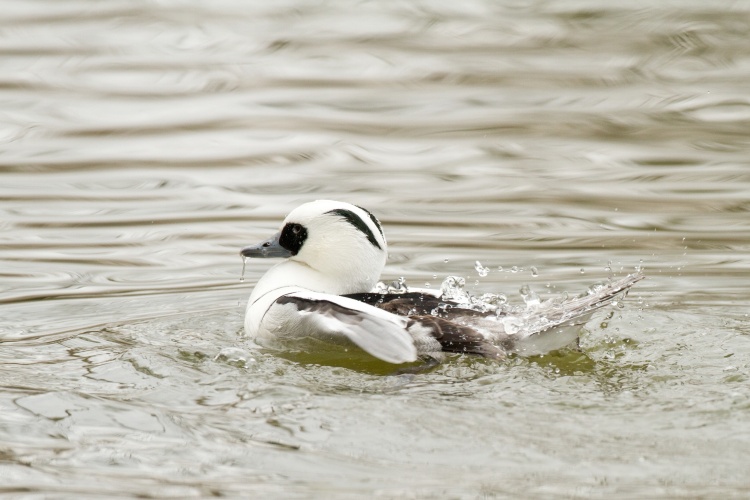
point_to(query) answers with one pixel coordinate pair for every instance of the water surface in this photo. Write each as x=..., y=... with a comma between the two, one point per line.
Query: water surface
x=143, y=143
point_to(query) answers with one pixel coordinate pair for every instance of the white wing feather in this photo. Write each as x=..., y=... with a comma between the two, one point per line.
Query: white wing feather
x=333, y=318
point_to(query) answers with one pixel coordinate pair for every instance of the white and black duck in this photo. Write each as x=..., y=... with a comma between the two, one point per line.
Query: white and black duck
x=334, y=253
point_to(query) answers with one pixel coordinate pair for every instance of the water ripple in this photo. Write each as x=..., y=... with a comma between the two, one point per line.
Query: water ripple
x=144, y=144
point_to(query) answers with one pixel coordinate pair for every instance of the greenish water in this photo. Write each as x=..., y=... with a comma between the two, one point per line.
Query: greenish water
x=142, y=144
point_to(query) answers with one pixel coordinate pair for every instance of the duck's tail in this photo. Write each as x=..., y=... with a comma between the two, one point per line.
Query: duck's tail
x=556, y=324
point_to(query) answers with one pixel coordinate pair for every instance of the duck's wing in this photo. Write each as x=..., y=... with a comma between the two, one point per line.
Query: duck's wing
x=334, y=319
x=432, y=333
x=402, y=304
x=411, y=303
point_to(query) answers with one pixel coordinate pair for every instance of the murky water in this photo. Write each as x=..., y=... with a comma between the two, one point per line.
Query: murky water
x=143, y=143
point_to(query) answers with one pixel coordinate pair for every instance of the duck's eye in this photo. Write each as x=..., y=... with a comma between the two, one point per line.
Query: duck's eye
x=296, y=228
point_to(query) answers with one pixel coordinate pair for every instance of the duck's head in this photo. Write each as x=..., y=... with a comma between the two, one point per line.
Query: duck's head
x=343, y=243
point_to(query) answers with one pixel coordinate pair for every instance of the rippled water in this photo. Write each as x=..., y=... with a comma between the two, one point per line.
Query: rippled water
x=143, y=143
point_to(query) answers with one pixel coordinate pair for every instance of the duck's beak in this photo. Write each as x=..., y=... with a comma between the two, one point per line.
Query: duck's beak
x=266, y=249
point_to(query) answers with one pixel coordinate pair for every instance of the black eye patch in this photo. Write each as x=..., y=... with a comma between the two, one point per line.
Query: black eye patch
x=355, y=221
x=292, y=237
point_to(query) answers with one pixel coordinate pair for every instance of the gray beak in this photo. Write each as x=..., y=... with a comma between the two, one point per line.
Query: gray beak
x=266, y=249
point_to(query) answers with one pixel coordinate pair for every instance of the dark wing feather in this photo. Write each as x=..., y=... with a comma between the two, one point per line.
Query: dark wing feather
x=458, y=338
x=418, y=308
x=402, y=304
x=410, y=303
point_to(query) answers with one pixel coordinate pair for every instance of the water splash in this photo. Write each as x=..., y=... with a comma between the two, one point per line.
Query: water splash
x=530, y=298
x=242, y=275
x=533, y=314
x=452, y=288
x=494, y=299
x=235, y=356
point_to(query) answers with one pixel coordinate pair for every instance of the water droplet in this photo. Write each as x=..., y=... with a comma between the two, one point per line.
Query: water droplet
x=514, y=269
x=480, y=269
x=534, y=271
x=582, y=271
x=242, y=276
x=398, y=286
x=499, y=268
x=445, y=261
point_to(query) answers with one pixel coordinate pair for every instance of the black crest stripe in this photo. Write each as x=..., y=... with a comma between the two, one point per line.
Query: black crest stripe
x=373, y=218
x=357, y=222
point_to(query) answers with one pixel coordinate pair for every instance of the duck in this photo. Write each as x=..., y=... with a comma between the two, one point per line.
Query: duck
x=324, y=290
